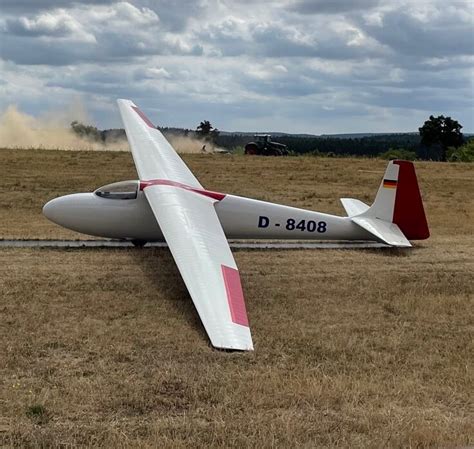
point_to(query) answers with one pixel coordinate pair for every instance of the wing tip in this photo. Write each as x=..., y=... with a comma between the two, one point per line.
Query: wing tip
x=240, y=341
x=240, y=348
x=125, y=101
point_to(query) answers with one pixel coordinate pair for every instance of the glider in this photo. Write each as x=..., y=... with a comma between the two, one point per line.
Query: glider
x=168, y=203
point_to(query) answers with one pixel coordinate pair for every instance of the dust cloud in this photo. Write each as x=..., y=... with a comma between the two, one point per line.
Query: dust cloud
x=50, y=131
x=53, y=131
x=186, y=144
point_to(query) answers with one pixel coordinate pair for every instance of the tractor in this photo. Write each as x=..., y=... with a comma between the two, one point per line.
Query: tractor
x=263, y=146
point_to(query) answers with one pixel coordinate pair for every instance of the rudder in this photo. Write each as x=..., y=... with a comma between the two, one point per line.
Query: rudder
x=399, y=201
x=409, y=213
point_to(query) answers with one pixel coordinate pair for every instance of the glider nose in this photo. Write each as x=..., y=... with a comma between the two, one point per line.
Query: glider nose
x=68, y=211
x=52, y=210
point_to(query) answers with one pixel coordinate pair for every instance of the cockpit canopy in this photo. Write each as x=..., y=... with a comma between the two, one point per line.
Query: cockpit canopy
x=124, y=190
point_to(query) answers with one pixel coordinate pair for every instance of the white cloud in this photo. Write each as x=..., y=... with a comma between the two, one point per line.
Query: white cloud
x=155, y=73
x=295, y=65
x=332, y=6
x=122, y=14
x=56, y=24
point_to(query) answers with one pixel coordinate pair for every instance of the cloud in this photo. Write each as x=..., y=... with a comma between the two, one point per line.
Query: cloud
x=304, y=66
x=331, y=6
x=426, y=34
x=175, y=15
x=113, y=32
x=151, y=73
x=28, y=6
x=233, y=37
x=121, y=15
x=55, y=25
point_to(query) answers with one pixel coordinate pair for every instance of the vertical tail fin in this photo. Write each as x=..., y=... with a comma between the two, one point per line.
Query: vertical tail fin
x=399, y=201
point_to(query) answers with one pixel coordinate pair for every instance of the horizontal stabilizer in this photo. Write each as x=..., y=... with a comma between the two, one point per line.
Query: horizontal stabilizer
x=353, y=207
x=386, y=232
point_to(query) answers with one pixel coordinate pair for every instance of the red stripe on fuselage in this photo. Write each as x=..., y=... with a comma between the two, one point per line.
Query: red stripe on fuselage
x=143, y=117
x=166, y=182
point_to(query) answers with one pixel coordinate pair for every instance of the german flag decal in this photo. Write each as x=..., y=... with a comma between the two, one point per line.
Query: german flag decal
x=389, y=184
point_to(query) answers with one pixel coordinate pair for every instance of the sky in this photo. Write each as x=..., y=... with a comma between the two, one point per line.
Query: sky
x=299, y=66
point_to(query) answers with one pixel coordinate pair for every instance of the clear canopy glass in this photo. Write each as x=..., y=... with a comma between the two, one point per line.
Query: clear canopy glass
x=125, y=190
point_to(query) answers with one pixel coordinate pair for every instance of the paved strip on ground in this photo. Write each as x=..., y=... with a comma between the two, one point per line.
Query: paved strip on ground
x=233, y=244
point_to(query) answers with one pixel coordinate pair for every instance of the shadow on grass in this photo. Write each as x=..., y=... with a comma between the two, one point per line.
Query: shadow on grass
x=390, y=252
x=159, y=267
x=397, y=252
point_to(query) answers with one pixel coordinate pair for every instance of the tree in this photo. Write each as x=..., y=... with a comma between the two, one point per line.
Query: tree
x=398, y=153
x=464, y=153
x=87, y=131
x=207, y=131
x=204, y=128
x=441, y=132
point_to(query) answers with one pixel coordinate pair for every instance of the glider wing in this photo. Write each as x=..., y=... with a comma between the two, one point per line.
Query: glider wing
x=153, y=155
x=186, y=215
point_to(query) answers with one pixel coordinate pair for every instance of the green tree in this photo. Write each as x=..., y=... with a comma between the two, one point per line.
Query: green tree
x=86, y=131
x=398, y=153
x=441, y=132
x=464, y=153
x=206, y=131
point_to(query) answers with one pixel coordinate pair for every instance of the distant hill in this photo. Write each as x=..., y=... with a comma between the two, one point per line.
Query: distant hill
x=309, y=136
x=273, y=134
x=360, y=135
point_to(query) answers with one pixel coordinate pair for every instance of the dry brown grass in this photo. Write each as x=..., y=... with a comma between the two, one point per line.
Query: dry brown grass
x=103, y=348
x=31, y=177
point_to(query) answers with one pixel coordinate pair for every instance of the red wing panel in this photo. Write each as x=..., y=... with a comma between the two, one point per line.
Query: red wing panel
x=235, y=296
x=143, y=117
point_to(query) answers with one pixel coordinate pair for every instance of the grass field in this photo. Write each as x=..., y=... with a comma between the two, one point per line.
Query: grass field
x=103, y=348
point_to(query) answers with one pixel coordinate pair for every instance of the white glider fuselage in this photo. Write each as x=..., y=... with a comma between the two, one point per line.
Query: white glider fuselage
x=241, y=218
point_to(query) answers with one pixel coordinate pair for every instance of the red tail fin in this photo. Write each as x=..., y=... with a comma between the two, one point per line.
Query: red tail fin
x=408, y=212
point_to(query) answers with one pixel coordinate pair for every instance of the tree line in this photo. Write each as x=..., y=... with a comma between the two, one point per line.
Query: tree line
x=440, y=138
